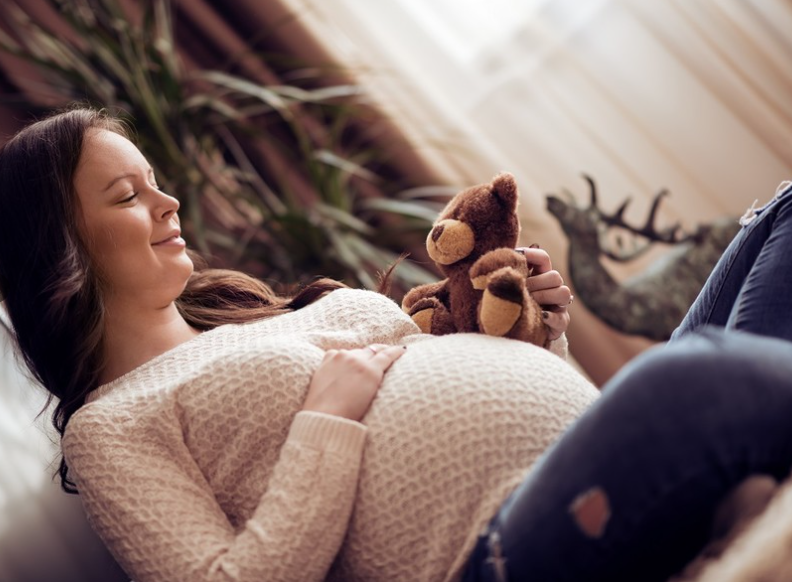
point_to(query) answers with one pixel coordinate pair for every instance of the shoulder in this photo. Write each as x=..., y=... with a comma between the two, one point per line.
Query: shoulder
x=373, y=310
x=94, y=416
x=360, y=297
x=91, y=429
x=372, y=303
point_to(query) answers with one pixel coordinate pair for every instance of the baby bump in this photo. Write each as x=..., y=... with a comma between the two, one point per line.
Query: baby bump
x=458, y=421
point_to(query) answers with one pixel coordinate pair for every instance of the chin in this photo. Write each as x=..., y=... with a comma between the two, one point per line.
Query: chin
x=185, y=271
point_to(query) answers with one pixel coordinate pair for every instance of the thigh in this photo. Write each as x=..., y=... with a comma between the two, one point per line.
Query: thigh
x=670, y=436
x=749, y=288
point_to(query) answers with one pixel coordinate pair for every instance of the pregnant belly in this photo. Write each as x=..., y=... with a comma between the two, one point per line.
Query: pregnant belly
x=457, y=423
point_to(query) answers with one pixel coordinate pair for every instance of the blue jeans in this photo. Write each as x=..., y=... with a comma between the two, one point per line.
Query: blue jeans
x=673, y=432
x=750, y=287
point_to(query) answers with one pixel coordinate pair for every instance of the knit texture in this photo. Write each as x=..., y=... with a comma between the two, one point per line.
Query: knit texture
x=761, y=552
x=199, y=465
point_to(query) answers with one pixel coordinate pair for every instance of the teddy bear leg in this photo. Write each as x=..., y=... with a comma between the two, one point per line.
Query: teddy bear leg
x=431, y=316
x=425, y=305
x=507, y=310
x=502, y=302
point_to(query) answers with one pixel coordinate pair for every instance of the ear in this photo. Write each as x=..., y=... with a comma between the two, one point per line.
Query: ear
x=505, y=188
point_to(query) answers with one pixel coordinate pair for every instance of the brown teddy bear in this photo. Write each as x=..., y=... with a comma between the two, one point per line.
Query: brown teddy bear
x=472, y=242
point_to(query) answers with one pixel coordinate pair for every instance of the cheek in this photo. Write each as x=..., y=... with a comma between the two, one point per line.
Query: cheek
x=109, y=244
x=119, y=229
x=117, y=245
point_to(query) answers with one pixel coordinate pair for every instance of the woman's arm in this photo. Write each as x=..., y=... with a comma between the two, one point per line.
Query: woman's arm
x=158, y=516
x=150, y=503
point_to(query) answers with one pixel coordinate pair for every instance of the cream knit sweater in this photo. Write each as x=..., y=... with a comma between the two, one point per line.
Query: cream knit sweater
x=199, y=465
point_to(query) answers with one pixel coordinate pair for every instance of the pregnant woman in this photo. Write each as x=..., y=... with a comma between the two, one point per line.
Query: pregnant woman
x=216, y=431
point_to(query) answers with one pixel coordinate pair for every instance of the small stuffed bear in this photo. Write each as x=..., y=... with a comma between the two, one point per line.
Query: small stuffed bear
x=472, y=242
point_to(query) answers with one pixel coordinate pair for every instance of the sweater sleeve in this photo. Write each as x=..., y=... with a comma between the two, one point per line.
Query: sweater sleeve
x=154, y=510
x=560, y=347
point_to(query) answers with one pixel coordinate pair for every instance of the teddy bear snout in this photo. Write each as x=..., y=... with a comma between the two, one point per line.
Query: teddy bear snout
x=450, y=241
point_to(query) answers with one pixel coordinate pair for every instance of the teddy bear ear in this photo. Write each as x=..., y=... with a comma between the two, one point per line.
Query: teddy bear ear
x=505, y=187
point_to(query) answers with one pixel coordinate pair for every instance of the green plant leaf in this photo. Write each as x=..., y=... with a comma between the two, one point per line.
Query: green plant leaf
x=401, y=207
x=345, y=165
x=214, y=137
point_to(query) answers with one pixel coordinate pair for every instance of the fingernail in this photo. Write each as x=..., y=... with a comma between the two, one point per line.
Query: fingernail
x=545, y=315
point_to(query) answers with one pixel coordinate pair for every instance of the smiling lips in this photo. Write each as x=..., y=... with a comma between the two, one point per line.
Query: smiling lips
x=173, y=239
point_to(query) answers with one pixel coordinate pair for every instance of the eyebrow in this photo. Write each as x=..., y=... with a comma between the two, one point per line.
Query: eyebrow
x=117, y=179
x=123, y=176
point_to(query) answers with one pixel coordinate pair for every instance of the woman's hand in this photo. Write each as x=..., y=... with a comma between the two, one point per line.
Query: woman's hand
x=346, y=381
x=547, y=286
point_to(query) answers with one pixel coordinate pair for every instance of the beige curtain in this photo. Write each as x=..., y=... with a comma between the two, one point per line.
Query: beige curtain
x=689, y=95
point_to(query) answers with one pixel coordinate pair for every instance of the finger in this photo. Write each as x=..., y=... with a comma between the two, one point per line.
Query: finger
x=559, y=296
x=549, y=280
x=373, y=349
x=537, y=258
x=388, y=355
x=557, y=323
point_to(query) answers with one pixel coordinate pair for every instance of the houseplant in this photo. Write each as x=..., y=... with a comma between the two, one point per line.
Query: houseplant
x=267, y=175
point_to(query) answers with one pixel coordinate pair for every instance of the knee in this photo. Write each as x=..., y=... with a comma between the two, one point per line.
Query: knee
x=713, y=367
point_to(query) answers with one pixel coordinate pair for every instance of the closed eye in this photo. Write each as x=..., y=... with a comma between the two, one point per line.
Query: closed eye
x=129, y=199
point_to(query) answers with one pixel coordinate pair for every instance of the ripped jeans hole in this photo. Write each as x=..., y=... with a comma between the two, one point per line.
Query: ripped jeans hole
x=591, y=511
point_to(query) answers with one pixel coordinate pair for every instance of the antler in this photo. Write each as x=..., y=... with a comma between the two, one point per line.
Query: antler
x=669, y=235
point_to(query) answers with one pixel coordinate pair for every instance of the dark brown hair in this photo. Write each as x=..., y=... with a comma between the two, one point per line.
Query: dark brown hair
x=51, y=290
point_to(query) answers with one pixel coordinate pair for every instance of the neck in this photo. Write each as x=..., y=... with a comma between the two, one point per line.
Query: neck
x=135, y=336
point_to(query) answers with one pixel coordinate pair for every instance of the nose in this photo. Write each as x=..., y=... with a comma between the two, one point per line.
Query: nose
x=437, y=231
x=166, y=206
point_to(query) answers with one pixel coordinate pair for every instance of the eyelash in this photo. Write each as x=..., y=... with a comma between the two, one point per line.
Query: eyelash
x=135, y=195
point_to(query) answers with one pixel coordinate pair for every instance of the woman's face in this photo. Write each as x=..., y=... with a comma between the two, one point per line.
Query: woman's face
x=130, y=227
